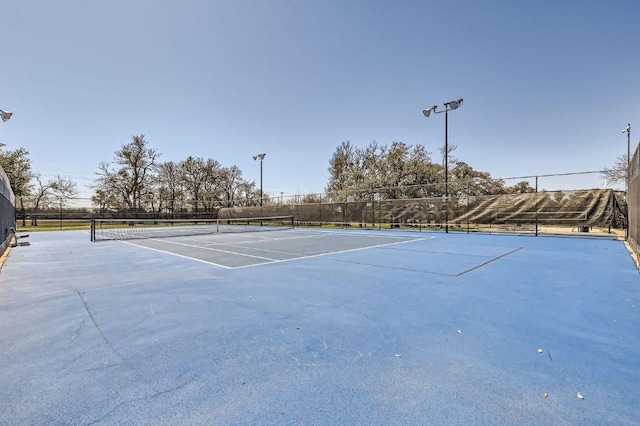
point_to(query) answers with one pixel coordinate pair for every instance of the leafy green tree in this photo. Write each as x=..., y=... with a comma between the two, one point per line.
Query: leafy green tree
x=341, y=170
x=392, y=172
x=421, y=176
x=464, y=180
x=392, y=169
x=17, y=165
x=520, y=188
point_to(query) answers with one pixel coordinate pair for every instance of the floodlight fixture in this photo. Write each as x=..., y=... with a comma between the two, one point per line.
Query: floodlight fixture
x=427, y=112
x=454, y=104
x=6, y=115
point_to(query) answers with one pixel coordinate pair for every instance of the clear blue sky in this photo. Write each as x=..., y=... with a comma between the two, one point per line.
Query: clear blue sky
x=548, y=86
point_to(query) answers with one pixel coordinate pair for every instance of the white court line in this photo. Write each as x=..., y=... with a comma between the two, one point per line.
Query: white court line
x=332, y=253
x=240, y=244
x=217, y=250
x=313, y=234
x=178, y=255
x=268, y=260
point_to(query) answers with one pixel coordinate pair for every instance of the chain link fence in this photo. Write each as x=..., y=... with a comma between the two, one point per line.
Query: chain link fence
x=7, y=211
x=573, y=202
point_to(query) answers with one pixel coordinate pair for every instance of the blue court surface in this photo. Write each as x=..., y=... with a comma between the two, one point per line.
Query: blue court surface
x=305, y=327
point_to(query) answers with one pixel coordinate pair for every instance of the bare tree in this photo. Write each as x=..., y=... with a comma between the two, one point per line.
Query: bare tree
x=132, y=178
x=54, y=192
x=41, y=194
x=193, y=175
x=230, y=180
x=169, y=184
x=618, y=173
x=63, y=189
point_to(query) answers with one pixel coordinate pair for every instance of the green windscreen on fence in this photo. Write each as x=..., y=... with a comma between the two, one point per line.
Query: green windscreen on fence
x=575, y=208
x=7, y=211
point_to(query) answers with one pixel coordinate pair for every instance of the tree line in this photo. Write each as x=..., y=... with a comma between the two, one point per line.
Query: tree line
x=29, y=188
x=403, y=171
x=137, y=181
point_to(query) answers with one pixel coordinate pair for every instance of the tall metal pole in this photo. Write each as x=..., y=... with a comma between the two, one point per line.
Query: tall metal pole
x=260, y=157
x=628, y=130
x=451, y=105
x=261, y=182
x=446, y=169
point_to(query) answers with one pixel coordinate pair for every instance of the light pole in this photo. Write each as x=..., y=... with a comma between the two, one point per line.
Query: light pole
x=627, y=130
x=260, y=157
x=448, y=106
x=5, y=115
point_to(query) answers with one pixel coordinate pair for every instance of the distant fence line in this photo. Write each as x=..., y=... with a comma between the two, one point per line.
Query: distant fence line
x=547, y=182
x=577, y=210
x=575, y=200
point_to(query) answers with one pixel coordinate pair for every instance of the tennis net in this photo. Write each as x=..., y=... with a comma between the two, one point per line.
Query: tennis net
x=129, y=229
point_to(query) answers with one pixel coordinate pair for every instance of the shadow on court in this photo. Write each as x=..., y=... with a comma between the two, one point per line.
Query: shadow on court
x=304, y=327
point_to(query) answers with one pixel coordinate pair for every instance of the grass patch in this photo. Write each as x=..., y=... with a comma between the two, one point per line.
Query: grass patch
x=53, y=225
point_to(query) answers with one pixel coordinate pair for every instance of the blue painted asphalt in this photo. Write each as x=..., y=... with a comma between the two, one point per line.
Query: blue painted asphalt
x=439, y=330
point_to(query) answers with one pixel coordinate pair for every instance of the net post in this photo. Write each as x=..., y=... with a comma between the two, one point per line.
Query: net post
x=292, y=224
x=93, y=230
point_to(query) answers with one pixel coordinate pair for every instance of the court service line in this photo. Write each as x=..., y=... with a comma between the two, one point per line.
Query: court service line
x=258, y=239
x=422, y=271
x=309, y=235
x=243, y=244
x=218, y=250
x=397, y=268
x=179, y=255
x=489, y=261
x=311, y=256
x=442, y=252
x=368, y=234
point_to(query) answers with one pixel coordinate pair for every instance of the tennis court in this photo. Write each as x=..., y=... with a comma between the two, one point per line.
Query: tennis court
x=304, y=326
x=259, y=248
